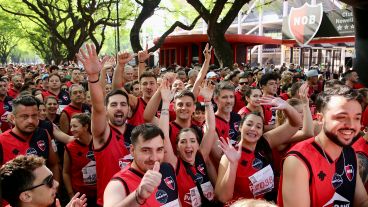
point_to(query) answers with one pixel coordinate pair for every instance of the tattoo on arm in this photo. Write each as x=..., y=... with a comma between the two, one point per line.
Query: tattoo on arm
x=363, y=167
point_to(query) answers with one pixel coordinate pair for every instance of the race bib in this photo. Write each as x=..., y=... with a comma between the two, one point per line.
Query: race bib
x=89, y=173
x=60, y=109
x=174, y=203
x=195, y=197
x=262, y=181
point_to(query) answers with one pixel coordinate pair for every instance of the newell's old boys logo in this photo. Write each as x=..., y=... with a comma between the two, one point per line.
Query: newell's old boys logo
x=170, y=182
x=41, y=145
x=349, y=171
x=305, y=21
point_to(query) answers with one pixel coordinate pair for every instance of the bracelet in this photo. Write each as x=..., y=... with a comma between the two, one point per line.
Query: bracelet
x=137, y=196
x=208, y=103
x=98, y=79
x=142, y=62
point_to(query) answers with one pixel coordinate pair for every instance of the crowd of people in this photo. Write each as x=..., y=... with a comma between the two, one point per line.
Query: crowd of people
x=112, y=134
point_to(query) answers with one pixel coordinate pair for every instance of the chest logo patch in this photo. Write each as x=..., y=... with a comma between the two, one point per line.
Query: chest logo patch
x=349, y=172
x=169, y=181
x=41, y=145
x=337, y=181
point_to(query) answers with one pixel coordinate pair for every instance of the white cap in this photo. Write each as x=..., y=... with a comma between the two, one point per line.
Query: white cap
x=211, y=74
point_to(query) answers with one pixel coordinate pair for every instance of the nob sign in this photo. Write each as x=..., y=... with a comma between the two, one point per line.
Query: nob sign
x=304, y=22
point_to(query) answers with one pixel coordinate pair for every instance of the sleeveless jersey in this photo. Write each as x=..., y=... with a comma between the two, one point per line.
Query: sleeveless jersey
x=137, y=116
x=13, y=93
x=228, y=129
x=70, y=110
x=166, y=193
x=250, y=163
x=12, y=145
x=244, y=111
x=82, y=167
x=62, y=98
x=5, y=109
x=338, y=177
x=239, y=101
x=188, y=191
x=111, y=158
x=361, y=147
x=175, y=129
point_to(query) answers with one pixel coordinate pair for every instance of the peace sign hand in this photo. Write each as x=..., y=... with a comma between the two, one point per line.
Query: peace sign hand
x=207, y=52
x=143, y=55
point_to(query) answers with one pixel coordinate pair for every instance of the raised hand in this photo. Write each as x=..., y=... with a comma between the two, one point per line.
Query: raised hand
x=150, y=181
x=232, y=154
x=110, y=62
x=170, y=76
x=207, y=52
x=303, y=93
x=143, y=55
x=275, y=102
x=166, y=94
x=75, y=201
x=90, y=60
x=207, y=90
x=124, y=58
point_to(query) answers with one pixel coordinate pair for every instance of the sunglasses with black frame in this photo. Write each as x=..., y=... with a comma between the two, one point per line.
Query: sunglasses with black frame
x=48, y=181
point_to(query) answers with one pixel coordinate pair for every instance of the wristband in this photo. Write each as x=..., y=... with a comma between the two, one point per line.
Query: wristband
x=98, y=79
x=142, y=62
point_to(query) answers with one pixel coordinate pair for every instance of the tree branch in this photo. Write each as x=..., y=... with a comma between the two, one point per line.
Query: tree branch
x=232, y=14
x=198, y=6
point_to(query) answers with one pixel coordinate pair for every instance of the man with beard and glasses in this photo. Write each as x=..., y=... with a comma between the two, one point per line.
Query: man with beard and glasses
x=17, y=83
x=111, y=134
x=147, y=82
x=323, y=170
x=26, y=138
x=28, y=182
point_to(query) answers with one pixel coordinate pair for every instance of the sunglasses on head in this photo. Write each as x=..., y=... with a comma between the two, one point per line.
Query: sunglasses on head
x=48, y=181
x=242, y=83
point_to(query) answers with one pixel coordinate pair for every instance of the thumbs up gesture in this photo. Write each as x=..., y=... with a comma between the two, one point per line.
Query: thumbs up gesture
x=150, y=181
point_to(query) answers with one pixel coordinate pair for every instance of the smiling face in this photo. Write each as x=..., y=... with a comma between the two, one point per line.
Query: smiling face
x=187, y=146
x=254, y=98
x=184, y=107
x=77, y=129
x=225, y=101
x=51, y=106
x=252, y=129
x=341, y=120
x=117, y=109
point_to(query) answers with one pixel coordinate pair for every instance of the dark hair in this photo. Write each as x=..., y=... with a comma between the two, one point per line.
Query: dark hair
x=324, y=98
x=199, y=107
x=332, y=83
x=249, y=91
x=232, y=75
x=147, y=74
x=113, y=93
x=187, y=130
x=17, y=175
x=53, y=67
x=223, y=86
x=245, y=74
x=184, y=93
x=146, y=131
x=50, y=97
x=53, y=74
x=348, y=73
x=26, y=100
x=267, y=77
x=295, y=88
x=84, y=119
x=135, y=82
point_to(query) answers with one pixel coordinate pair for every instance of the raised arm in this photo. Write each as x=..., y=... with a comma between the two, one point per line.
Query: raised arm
x=166, y=94
x=92, y=65
x=143, y=55
x=61, y=136
x=224, y=189
x=202, y=73
x=281, y=134
x=210, y=126
x=152, y=107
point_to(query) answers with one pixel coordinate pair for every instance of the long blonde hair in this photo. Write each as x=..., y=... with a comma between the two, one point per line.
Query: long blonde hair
x=280, y=116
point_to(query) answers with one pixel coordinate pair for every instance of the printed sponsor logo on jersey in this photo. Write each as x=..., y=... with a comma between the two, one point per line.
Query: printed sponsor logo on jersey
x=199, y=178
x=41, y=145
x=187, y=198
x=31, y=151
x=169, y=181
x=161, y=196
x=337, y=181
x=257, y=164
x=200, y=168
x=90, y=155
x=337, y=201
x=349, y=171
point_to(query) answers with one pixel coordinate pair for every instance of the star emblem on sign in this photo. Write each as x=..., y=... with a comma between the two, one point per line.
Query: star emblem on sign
x=352, y=27
x=346, y=26
x=339, y=27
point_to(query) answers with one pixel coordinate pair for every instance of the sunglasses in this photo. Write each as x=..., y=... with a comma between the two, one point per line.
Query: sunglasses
x=242, y=83
x=48, y=181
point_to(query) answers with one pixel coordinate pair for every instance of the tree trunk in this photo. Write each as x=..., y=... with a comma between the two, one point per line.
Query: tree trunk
x=223, y=50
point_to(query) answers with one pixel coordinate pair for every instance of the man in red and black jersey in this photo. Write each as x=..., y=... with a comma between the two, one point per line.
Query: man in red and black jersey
x=111, y=134
x=26, y=137
x=54, y=89
x=361, y=148
x=16, y=85
x=323, y=170
x=148, y=86
x=77, y=97
x=75, y=77
x=5, y=106
x=146, y=181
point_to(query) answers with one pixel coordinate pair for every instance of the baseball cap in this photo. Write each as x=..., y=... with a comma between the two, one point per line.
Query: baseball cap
x=312, y=73
x=211, y=75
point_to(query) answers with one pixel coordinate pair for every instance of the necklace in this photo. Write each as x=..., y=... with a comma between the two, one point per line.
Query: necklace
x=324, y=153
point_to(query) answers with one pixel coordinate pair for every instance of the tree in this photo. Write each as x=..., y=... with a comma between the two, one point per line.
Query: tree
x=148, y=9
x=70, y=22
x=9, y=37
x=217, y=27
